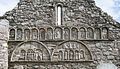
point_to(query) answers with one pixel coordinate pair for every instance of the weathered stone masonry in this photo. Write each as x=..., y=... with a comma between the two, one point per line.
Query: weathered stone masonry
x=81, y=38
x=4, y=29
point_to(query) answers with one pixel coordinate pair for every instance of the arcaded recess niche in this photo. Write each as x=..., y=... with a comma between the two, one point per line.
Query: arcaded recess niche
x=80, y=36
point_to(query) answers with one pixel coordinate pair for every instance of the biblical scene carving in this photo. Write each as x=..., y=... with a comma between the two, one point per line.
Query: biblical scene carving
x=72, y=50
x=30, y=51
x=41, y=37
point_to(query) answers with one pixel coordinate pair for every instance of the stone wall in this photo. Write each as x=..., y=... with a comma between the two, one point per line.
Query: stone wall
x=34, y=22
x=4, y=28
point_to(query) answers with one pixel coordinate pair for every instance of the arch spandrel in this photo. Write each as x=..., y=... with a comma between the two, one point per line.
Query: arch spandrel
x=72, y=51
x=31, y=51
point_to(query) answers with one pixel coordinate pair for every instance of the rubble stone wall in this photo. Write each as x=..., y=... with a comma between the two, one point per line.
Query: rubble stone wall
x=4, y=29
x=85, y=27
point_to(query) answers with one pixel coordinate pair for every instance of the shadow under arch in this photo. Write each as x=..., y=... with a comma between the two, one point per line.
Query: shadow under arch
x=79, y=42
x=27, y=42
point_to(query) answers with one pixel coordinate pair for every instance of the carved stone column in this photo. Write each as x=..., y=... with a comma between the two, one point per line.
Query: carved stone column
x=4, y=29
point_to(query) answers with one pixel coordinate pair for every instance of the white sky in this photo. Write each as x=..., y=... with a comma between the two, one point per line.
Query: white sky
x=112, y=7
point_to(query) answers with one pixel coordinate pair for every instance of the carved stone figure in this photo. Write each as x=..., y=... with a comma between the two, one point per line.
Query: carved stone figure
x=66, y=55
x=90, y=33
x=76, y=55
x=66, y=34
x=12, y=34
x=82, y=33
x=97, y=33
x=40, y=37
x=27, y=34
x=49, y=34
x=74, y=34
x=61, y=55
x=58, y=33
x=71, y=52
x=34, y=34
x=42, y=34
x=19, y=34
x=104, y=33
x=30, y=52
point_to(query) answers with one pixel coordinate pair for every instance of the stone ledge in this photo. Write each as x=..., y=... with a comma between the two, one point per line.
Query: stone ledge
x=84, y=61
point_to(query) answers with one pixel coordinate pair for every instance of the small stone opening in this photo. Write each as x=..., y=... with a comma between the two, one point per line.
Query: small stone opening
x=59, y=15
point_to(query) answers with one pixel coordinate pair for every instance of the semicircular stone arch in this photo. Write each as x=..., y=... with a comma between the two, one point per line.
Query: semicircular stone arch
x=72, y=51
x=31, y=51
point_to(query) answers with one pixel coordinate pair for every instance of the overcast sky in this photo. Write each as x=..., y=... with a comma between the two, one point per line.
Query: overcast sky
x=112, y=7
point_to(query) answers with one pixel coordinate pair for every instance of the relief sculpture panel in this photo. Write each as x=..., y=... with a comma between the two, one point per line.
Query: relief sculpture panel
x=30, y=51
x=41, y=37
x=71, y=50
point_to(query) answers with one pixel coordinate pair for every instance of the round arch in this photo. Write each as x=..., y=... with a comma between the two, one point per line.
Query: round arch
x=83, y=47
x=31, y=45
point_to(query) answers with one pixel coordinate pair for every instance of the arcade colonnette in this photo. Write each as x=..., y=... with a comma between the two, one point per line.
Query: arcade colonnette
x=61, y=34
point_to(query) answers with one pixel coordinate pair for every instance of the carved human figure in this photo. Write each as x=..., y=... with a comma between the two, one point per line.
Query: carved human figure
x=58, y=33
x=66, y=55
x=60, y=55
x=74, y=33
x=71, y=55
x=42, y=34
x=97, y=33
x=81, y=54
x=23, y=55
x=38, y=55
x=76, y=55
x=82, y=33
x=27, y=34
x=19, y=34
x=30, y=55
x=66, y=34
x=90, y=33
x=104, y=33
x=49, y=33
x=12, y=34
x=34, y=34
